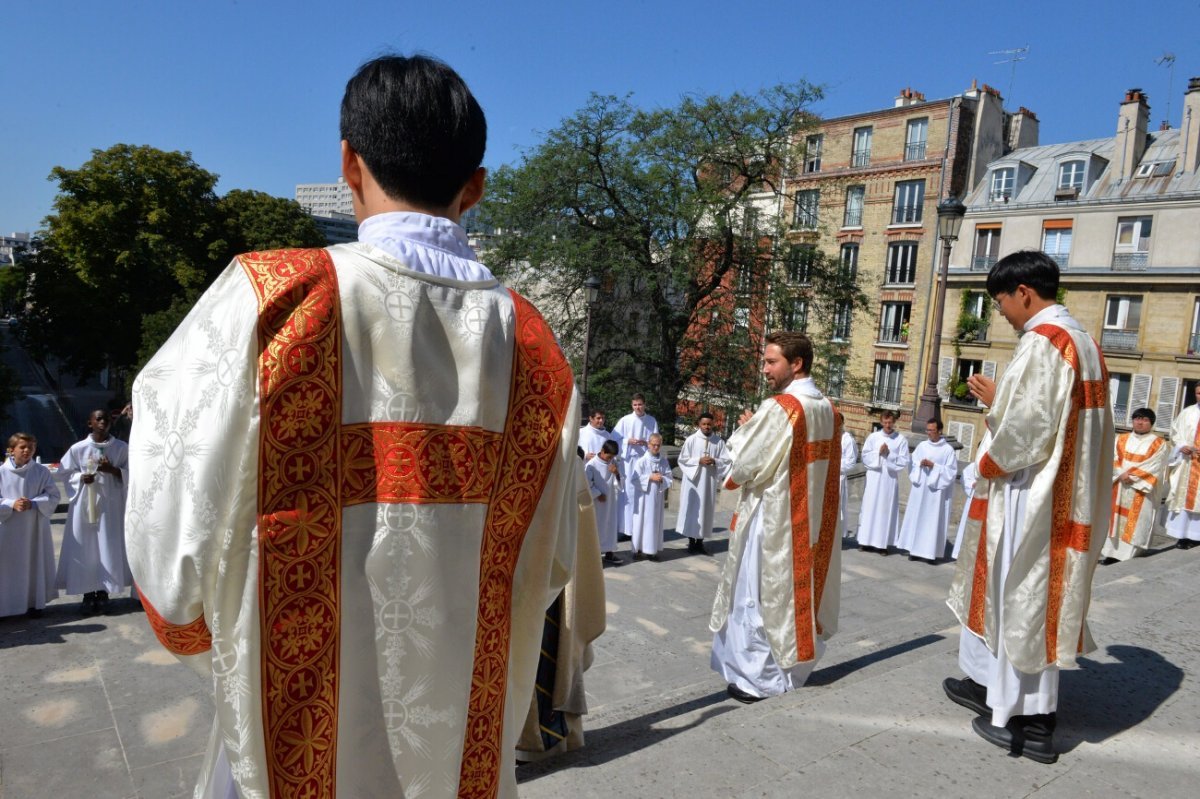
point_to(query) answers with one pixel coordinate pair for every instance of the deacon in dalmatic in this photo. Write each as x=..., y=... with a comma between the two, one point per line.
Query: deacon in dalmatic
x=927, y=517
x=1183, y=504
x=777, y=601
x=1023, y=580
x=1139, y=472
x=354, y=486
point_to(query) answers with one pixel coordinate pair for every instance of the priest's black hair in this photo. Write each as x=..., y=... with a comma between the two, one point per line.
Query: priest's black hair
x=1144, y=413
x=1031, y=268
x=417, y=127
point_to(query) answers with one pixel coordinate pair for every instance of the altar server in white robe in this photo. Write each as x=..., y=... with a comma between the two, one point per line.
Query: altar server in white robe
x=28, y=498
x=354, y=490
x=927, y=516
x=970, y=476
x=885, y=456
x=703, y=464
x=777, y=601
x=849, y=459
x=1183, y=503
x=593, y=435
x=92, y=561
x=633, y=434
x=652, y=474
x=1139, y=474
x=1022, y=583
x=604, y=477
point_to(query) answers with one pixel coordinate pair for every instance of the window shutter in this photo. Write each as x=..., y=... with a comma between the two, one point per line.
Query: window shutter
x=964, y=432
x=1139, y=394
x=1168, y=396
x=945, y=366
x=989, y=371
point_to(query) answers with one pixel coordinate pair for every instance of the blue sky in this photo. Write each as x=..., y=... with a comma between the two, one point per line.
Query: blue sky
x=251, y=89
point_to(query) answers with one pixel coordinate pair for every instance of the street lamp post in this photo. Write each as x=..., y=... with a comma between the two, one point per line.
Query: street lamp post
x=591, y=288
x=950, y=218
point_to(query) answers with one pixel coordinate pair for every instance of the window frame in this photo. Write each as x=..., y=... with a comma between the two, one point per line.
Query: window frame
x=860, y=146
x=892, y=267
x=860, y=191
x=908, y=213
x=1006, y=175
x=914, y=149
x=803, y=217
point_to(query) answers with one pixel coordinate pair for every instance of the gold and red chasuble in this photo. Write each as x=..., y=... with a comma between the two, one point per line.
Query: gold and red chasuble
x=312, y=467
x=1129, y=515
x=809, y=569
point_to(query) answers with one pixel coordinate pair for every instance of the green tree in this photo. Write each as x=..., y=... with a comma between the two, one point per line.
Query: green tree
x=255, y=220
x=677, y=211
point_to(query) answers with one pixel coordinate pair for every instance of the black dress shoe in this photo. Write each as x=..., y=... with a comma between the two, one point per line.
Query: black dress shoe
x=88, y=606
x=968, y=693
x=611, y=557
x=742, y=696
x=652, y=558
x=1185, y=543
x=1024, y=736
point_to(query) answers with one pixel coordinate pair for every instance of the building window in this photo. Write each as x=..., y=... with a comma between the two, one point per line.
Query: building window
x=795, y=316
x=861, y=154
x=800, y=263
x=842, y=313
x=1132, y=251
x=848, y=263
x=835, y=377
x=979, y=307
x=915, y=138
x=909, y=202
x=854, y=206
x=1002, y=184
x=1193, y=347
x=959, y=392
x=1070, y=175
x=1122, y=318
x=987, y=247
x=1056, y=241
x=812, y=152
x=889, y=377
x=902, y=263
x=1155, y=169
x=893, y=322
x=750, y=222
x=807, y=206
x=741, y=317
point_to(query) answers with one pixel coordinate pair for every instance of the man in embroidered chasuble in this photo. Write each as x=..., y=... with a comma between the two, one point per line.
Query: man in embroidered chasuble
x=1038, y=517
x=777, y=601
x=354, y=484
x=1183, y=503
x=1139, y=473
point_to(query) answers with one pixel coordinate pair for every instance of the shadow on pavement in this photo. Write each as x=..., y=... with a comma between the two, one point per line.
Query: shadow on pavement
x=1100, y=700
x=837, y=671
x=617, y=740
x=59, y=621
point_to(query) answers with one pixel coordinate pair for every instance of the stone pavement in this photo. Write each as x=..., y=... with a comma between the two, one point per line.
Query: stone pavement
x=92, y=707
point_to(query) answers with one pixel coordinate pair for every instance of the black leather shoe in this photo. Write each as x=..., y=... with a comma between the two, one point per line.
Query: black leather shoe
x=611, y=557
x=1024, y=736
x=742, y=696
x=968, y=693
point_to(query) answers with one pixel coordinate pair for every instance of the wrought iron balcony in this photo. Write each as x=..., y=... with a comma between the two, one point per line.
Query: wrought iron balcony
x=1130, y=261
x=914, y=151
x=1060, y=259
x=1194, y=344
x=860, y=157
x=853, y=218
x=1119, y=339
x=888, y=395
x=906, y=215
x=982, y=263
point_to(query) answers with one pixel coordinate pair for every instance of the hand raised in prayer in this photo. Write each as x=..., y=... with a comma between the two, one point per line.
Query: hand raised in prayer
x=707, y=460
x=656, y=478
x=612, y=468
x=982, y=388
x=926, y=464
x=884, y=450
x=745, y=417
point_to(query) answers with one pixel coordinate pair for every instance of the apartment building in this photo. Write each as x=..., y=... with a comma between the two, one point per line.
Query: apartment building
x=1120, y=215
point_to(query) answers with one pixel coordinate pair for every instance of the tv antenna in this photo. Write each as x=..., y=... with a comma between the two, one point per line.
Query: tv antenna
x=1014, y=55
x=1168, y=60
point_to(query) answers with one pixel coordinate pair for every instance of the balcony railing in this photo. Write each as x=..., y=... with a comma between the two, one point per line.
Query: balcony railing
x=893, y=337
x=906, y=214
x=1194, y=344
x=1060, y=258
x=1130, y=261
x=914, y=151
x=889, y=395
x=902, y=276
x=853, y=218
x=1119, y=339
x=982, y=263
x=860, y=157
x=1120, y=413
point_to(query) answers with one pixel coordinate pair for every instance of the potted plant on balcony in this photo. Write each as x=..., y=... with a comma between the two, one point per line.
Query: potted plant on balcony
x=904, y=333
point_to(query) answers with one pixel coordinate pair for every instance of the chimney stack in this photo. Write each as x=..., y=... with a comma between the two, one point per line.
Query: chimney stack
x=1023, y=129
x=1132, y=125
x=908, y=96
x=1191, y=127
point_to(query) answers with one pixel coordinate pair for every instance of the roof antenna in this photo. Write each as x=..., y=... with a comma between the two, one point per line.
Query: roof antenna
x=1168, y=60
x=1014, y=54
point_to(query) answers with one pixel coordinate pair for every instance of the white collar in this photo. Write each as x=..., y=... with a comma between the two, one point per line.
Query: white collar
x=803, y=387
x=1056, y=314
x=429, y=244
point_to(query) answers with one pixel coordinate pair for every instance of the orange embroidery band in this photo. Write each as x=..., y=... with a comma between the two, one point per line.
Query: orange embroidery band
x=299, y=516
x=1193, y=476
x=405, y=462
x=979, y=577
x=809, y=569
x=192, y=638
x=540, y=395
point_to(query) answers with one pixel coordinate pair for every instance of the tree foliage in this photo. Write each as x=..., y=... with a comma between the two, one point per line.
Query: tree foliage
x=677, y=212
x=136, y=235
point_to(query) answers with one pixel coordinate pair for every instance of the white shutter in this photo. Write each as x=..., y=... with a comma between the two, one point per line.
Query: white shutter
x=945, y=366
x=1139, y=394
x=1168, y=397
x=989, y=371
x=966, y=437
